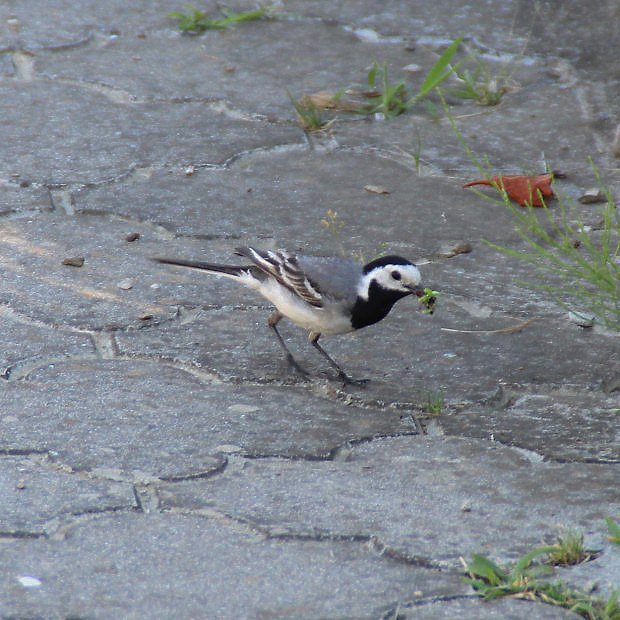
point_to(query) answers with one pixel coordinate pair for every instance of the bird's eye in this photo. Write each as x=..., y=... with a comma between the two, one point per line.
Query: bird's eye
x=396, y=275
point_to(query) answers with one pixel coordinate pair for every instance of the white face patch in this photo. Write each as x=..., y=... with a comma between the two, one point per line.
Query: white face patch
x=392, y=278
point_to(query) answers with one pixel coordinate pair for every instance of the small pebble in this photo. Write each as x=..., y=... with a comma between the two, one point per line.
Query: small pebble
x=583, y=319
x=125, y=284
x=29, y=582
x=376, y=189
x=412, y=68
x=21, y=484
x=453, y=248
x=466, y=506
x=134, y=236
x=592, y=196
x=73, y=261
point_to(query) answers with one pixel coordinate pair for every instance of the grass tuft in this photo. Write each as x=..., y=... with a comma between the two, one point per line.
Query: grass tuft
x=569, y=550
x=195, y=21
x=435, y=401
x=527, y=578
x=309, y=115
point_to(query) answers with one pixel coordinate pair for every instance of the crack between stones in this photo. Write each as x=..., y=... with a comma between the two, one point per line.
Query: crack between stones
x=340, y=452
x=58, y=527
x=23, y=452
x=20, y=371
x=18, y=317
x=369, y=541
x=120, y=96
x=14, y=535
x=73, y=187
x=105, y=344
x=533, y=455
x=146, y=498
x=393, y=612
x=281, y=533
x=202, y=475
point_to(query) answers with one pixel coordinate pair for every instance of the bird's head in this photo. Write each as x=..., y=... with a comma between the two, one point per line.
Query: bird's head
x=390, y=276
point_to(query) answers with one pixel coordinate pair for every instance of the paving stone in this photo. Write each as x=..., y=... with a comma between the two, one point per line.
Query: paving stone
x=25, y=345
x=599, y=575
x=544, y=420
x=293, y=189
x=204, y=568
x=33, y=494
x=7, y=70
x=500, y=609
x=79, y=135
x=146, y=419
x=531, y=31
x=513, y=137
x=36, y=29
x=36, y=284
x=251, y=66
x=125, y=371
x=399, y=489
x=16, y=199
x=406, y=356
x=427, y=22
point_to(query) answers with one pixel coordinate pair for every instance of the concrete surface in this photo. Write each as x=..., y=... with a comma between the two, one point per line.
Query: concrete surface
x=157, y=457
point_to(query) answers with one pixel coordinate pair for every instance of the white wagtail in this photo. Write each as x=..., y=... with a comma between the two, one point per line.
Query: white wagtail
x=324, y=295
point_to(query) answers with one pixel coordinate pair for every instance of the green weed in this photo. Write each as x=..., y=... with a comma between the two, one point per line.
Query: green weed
x=480, y=85
x=391, y=100
x=569, y=550
x=613, y=530
x=584, y=264
x=197, y=21
x=526, y=579
x=435, y=401
x=309, y=115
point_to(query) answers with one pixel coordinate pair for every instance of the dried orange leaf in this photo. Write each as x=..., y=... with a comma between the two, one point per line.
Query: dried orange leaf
x=376, y=189
x=524, y=189
x=330, y=101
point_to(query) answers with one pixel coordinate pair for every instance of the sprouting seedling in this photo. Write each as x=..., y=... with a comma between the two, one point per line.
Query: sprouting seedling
x=334, y=225
x=309, y=115
x=479, y=85
x=391, y=100
x=197, y=21
x=435, y=401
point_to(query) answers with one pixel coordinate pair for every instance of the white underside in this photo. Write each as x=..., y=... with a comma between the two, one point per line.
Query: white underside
x=326, y=320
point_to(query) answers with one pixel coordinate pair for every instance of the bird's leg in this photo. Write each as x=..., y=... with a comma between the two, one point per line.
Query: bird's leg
x=272, y=321
x=313, y=337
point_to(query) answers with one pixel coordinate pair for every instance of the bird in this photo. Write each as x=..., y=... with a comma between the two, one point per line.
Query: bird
x=321, y=294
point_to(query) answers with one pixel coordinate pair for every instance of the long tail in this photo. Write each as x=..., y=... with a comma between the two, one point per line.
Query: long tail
x=232, y=271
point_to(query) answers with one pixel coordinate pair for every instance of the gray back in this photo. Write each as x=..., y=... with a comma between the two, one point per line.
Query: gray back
x=335, y=278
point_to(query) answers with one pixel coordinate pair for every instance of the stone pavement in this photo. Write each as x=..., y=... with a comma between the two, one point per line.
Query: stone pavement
x=157, y=457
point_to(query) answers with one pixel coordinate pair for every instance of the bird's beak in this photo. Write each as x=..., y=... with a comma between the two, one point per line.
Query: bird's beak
x=417, y=290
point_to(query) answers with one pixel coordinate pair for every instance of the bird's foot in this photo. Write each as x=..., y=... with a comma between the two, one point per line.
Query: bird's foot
x=346, y=380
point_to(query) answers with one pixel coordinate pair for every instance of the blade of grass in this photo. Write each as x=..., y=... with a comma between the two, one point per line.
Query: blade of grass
x=438, y=72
